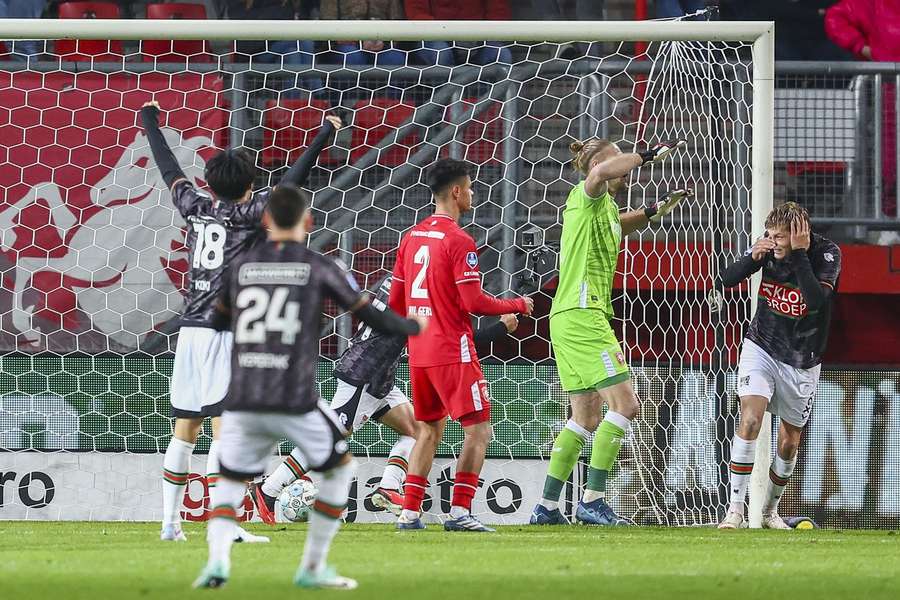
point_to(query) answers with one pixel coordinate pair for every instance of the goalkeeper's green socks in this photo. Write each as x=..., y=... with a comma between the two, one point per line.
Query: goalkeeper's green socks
x=607, y=442
x=565, y=453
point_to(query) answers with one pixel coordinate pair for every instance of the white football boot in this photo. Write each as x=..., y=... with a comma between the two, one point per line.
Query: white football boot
x=773, y=521
x=243, y=536
x=732, y=520
x=326, y=578
x=172, y=533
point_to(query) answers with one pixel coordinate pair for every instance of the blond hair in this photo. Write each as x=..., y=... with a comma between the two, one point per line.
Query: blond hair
x=783, y=215
x=584, y=152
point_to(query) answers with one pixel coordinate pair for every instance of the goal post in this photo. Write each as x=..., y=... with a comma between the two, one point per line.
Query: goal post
x=95, y=266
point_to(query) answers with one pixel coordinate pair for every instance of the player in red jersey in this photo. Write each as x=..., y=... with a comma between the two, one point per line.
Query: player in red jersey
x=436, y=276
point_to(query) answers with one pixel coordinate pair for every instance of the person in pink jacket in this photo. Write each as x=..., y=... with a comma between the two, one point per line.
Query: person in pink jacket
x=870, y=29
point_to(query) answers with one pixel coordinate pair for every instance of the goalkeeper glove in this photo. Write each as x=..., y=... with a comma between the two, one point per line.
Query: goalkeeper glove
x=666, y=204
x=660, y=151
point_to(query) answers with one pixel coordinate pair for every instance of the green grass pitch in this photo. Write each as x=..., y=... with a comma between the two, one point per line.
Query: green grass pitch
x=125, y=560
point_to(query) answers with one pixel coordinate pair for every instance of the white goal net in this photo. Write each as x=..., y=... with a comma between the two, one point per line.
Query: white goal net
x=94, y=267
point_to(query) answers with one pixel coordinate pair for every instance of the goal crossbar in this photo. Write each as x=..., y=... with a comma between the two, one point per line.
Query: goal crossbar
x=535, y=31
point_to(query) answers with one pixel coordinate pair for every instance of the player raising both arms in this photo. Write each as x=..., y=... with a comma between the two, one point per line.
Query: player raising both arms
x=782, y=352
x=591, y=365
x=274, y=295
x=436, y=276
x=366, y=390
x=220, y=229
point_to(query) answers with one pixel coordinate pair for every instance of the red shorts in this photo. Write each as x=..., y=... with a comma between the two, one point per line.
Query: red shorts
x=459, y=390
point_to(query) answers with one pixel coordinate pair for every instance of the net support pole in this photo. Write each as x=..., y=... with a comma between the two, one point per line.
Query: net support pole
x=760, y=205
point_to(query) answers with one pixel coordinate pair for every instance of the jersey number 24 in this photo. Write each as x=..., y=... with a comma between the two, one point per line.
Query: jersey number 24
x=262, y=313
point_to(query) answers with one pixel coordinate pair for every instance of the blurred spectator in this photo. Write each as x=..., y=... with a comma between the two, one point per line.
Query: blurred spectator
x=23, y=9
x=554, y=10
x=870, y=29
x=799, y=31
x=585, y=10
x=275, y=51
x=466, y=10
x=679, y=8
x=372, y=51
x=282, y=52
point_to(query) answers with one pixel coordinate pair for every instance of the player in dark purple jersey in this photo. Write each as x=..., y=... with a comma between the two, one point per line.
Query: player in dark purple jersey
x=220, y=228
x=782, y=352
x=366, y=390
x=274, y=296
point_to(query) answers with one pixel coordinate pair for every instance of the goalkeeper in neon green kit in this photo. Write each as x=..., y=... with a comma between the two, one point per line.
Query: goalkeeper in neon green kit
x=591, y=365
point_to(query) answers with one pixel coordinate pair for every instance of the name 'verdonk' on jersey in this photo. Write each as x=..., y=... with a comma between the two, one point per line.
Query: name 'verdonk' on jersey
x=371, y=358
x=275, y=295
x=217, y=233
x=588, y=253
x=783, y=325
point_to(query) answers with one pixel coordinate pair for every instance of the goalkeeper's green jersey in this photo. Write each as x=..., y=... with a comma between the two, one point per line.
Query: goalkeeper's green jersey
x=589, y=252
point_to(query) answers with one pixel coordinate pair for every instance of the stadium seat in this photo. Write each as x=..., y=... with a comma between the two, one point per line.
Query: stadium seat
x=86, y=50
x=178, y=50
x=372, y=121
x=289, y=127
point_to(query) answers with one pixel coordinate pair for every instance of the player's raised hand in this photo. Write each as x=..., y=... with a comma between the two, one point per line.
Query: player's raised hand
x=529, y=306
x=661, y=151
x=421, y=321
x=667, y=204
x=335, y=121
x=762, y=247
x=510, y=321
x=152, y=103
x=799, y=234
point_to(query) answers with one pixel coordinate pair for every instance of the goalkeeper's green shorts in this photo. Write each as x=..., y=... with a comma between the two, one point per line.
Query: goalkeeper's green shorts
x=588, y=355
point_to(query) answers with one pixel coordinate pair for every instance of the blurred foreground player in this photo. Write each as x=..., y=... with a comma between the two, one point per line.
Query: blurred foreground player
x=436, y=276
x=782, y=352
x=220, y=229
x=274, y=296
x=366, y=390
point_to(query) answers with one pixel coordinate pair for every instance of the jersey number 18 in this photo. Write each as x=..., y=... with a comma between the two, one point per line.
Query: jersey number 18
x=210, y=250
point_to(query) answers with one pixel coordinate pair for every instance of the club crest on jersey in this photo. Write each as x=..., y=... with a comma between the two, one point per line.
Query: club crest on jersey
x=784, y=300
x=472, y=260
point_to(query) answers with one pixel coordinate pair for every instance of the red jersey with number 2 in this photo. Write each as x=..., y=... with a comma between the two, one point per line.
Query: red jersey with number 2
x=434, y=258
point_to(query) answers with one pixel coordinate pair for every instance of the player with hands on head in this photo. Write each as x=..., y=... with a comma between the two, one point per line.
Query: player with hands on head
x=782, y=351
x=591, y=365
x=220, y=228
x=436, y=275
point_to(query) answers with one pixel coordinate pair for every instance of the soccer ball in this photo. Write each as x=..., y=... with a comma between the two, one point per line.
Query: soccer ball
x=296, y=500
